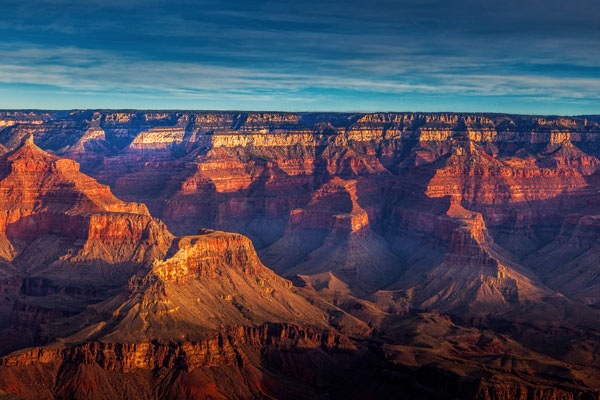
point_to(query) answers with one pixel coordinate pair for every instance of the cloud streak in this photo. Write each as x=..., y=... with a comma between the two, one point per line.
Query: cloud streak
x=307, y=53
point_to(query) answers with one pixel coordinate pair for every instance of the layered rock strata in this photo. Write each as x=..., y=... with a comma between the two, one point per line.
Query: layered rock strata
x=487, y=218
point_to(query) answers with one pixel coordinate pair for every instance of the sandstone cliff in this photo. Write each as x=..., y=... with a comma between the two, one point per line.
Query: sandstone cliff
x=487, y=218
x=116, y=298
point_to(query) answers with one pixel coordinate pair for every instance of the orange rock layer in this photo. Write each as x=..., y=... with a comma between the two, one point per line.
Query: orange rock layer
x=385, y=220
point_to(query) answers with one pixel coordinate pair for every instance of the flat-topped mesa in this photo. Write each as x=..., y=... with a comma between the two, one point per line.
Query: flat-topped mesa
x=205, y=255
x=203, y=283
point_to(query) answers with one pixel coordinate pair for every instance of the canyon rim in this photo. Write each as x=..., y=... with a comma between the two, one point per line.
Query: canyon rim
x=209, y=200
x=417, y=255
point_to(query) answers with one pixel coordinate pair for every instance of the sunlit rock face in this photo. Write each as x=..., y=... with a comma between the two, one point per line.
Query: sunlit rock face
x=258, y=173
x=44, y=196
x=65, y=240
x=310, y=188
x=110, y=291
x=464, y=241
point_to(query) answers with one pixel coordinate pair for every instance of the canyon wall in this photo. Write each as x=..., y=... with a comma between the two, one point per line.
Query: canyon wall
x=453, y=249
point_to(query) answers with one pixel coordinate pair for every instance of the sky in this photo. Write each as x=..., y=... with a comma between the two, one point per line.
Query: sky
x=513, y=56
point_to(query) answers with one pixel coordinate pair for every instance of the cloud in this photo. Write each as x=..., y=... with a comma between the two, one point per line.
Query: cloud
x=101, y=71
x=306, y=51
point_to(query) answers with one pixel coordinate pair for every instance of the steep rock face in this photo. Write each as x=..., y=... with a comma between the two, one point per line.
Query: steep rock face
x=476, y=178
x=46, y=201
x=332, y=235
x=489, y=218
x=260, y=173
x=246, y=172
x=195, y=169
x=206, y=281
x=475, y=278
x=569, y=261
x=206, y=320
x=64, y=239
x=238, y=362
x=192, y=305
x=522, y=197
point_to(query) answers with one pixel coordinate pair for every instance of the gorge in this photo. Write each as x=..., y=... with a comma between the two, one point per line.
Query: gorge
x=212, y=254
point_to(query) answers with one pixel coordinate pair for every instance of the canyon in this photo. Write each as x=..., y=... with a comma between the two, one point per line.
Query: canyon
x=209, y=254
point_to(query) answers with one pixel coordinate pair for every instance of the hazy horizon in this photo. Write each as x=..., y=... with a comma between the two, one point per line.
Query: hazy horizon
x=129, y=109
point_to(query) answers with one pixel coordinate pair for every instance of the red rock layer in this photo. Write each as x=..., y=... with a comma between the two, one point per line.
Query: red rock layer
x=223, y=365
x=203, y=283
x=483, y=217
x=180, y=290
x=42, y=194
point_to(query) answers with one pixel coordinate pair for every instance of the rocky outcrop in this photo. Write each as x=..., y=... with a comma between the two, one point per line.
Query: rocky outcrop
x=203, y=283
x=65, y=240
x=267, y=175
x=475, y=278
x=332, y=234
x=168, y=370
x=48, y=204
x=488, y=218
x=187, y=305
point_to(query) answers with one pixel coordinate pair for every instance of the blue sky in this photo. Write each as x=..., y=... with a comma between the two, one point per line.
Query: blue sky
x=527, y=56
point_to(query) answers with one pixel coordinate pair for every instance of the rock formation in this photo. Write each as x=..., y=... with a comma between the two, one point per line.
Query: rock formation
x=463, y=246
x=64, y=236
x=112, y=293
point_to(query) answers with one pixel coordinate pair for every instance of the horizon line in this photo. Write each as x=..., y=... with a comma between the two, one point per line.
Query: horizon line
x=286, y=112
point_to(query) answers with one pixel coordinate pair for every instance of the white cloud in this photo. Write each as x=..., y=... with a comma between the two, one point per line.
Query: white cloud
x=99, y=71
